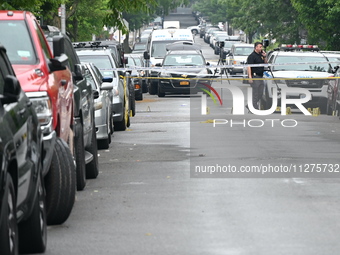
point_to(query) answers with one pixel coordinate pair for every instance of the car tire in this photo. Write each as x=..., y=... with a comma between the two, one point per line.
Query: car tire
x=153, y=88
x=92, y=168
x=60, y=185
x=125, y=122
x=215, y=52
x=9, y=241
x=160, y=93
x=145, y=87
x=132, y=102
x=79, y=154
x=139, y=97
x=194, y=31
x=111, y=124
x=329, y=110
x=33, y=231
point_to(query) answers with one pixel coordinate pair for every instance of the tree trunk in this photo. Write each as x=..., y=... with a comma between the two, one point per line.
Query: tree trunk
x=126, y=45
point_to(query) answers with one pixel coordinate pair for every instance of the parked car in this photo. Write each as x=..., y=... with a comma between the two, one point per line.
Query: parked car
x=291, y=62
x=135, y=61
x=103, y=111
x=48, y=83
x=139, y=47
x=238, y=55
x=188, y=81
x=85, y=144
x=22, y=190
x=120, y=95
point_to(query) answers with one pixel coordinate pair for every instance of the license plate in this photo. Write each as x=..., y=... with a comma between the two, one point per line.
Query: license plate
x=184, y=83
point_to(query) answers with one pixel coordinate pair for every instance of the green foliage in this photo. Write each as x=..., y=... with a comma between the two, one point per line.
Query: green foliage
x=321, y=18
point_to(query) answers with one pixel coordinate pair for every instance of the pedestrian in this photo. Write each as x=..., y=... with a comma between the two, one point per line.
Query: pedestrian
x=258, y=56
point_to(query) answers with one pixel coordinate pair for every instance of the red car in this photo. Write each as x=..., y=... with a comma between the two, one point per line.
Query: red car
x=48, y=83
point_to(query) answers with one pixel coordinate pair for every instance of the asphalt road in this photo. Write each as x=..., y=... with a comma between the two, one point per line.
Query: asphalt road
x=148, y=199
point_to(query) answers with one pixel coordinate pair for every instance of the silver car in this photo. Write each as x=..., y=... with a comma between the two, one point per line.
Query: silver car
x=102, y=105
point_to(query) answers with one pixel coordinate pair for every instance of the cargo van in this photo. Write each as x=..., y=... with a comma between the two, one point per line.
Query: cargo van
x=156, y=50
x=171, y=24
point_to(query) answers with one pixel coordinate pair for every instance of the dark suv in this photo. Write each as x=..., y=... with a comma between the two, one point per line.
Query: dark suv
x=22, y=191
x=84, y=148
x=120, y=94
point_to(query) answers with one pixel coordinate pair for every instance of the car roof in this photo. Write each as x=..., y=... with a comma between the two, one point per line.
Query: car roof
x=184, y=52
x=298, y=53
x=243, y=45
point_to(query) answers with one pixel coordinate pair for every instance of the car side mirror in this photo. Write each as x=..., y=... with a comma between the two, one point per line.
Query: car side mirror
x=58, y=45
x=107, y=79
x=58, y=63
x=158, y=64
x=95, y=94
x=146, y=55
x=208, y=64
x=106, y=86
x=78, y=72
x=12, y=90
x=336, y=68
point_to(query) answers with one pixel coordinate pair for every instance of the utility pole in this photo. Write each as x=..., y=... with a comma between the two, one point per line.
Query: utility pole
x=63, y=18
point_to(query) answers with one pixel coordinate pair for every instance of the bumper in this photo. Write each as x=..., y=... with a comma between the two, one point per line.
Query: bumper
x=117, y=109
x=101, y=131
x=49, y=143
x=173, y=86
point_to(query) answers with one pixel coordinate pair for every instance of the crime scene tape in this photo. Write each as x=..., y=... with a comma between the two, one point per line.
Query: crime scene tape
x=158, y=68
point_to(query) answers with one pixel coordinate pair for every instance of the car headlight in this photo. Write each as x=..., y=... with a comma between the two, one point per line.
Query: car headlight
x=203, y=71
x=165, y=74
x=43, y=107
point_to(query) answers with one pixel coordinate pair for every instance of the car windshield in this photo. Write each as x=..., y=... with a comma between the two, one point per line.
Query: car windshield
x=138, y=61
x=183, y=60
x=16, y=39
x=322, y=67
x=139, y=47
x=158, y=49
x=131, y=62
x=102, y=62
x=243, y=51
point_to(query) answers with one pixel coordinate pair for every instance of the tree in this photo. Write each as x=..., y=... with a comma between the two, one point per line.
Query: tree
x=321, y=18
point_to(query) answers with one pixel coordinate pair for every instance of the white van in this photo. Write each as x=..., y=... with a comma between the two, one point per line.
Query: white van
x=160, y=38
x=156, y=50
x=171, y=24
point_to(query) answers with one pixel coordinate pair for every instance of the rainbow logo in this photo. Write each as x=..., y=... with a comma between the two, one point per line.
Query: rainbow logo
x=209, y=88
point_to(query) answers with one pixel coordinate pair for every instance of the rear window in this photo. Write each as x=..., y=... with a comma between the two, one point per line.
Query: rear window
x=102, y=62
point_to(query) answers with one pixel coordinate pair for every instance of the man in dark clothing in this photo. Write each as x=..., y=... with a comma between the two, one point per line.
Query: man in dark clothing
x=258, y=56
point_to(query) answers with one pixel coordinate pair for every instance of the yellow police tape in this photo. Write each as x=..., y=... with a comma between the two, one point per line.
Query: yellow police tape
x=230, y=78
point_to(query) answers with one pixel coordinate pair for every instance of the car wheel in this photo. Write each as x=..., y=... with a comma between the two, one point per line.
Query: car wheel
x=132, y=99
x=160, y=94
x=153, y=88
x=92, y=167
x=145, y=87
x=60, y=184
x=33, y=231
x=215, y=52
x=194, y=31
x=79, y=154
x=125, y=122
x=9, y=241
x=329, y=110
x=111, y=124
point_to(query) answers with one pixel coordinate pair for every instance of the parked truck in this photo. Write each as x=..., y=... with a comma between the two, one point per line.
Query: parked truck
x=48, y=83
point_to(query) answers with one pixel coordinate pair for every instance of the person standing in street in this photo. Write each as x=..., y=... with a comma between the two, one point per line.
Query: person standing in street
x=258, y=56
